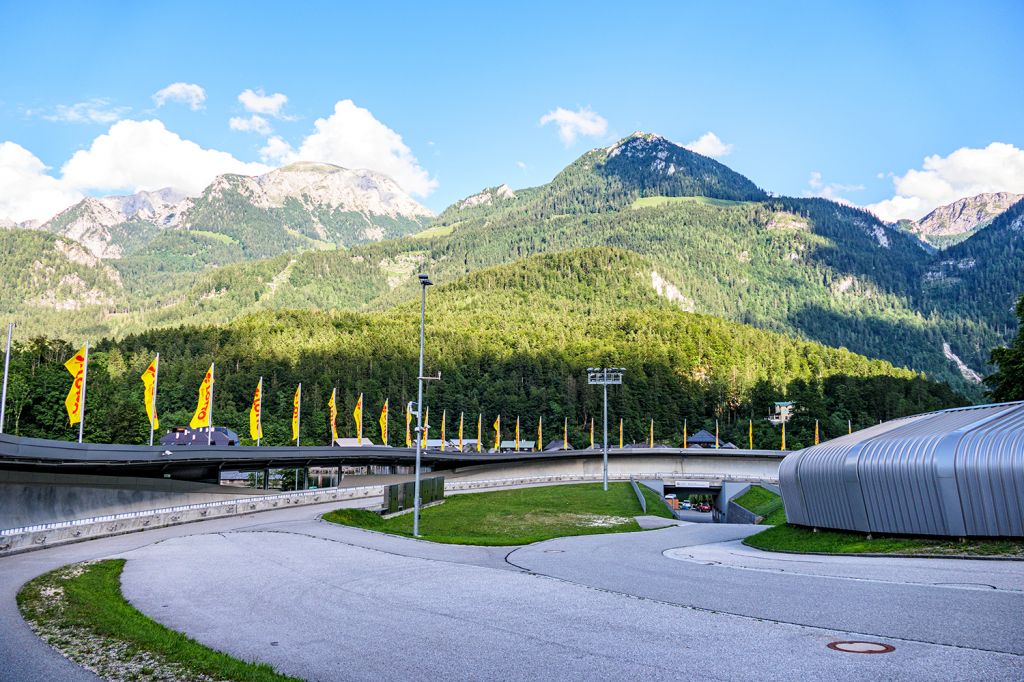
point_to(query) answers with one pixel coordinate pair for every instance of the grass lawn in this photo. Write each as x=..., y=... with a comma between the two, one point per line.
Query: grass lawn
x=436, y=231
x=79, y=610
x=786, y=538
x=649, y=202
x=518, y=517
x=764, y=503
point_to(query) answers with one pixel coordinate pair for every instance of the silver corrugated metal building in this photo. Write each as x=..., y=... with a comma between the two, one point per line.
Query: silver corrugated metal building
x=957, y=472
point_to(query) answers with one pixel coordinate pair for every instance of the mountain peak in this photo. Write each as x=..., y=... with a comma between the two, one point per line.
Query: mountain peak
x=954, y=222
x=310, y=167
x=639, y=140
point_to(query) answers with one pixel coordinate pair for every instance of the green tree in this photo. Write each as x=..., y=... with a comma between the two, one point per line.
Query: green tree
x=1007, y=382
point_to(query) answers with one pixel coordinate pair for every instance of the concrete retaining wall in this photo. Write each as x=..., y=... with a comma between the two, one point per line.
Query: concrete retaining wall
x=129, y=522
x=621, y=468
x=28, y=498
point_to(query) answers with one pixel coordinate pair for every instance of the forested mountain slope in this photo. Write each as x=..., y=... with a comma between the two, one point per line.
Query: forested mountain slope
x=716, y=244
x=514, y=339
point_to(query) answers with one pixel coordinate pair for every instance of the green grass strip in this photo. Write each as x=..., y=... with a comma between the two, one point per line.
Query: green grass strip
x=763, y=502
x=786, y=538
x=79, y=609
x=518, y=517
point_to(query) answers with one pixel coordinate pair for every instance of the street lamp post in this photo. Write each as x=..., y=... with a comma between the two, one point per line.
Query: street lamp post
x=424, y=283
x=604, y=376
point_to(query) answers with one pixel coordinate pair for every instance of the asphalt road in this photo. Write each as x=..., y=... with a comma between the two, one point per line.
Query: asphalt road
x=326, y=602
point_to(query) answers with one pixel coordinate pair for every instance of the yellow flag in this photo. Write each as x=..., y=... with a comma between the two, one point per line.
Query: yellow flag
x=149, y=393
x=651, y=441
x=517, y=434
x=716, y=433
x=202, y=416
x=620, y=433
x=332, y=408
x=426, y=427
x=815, y=431
x=783, y=435
x=408, y=427
x=73, y=403
x=461, y=415
x=479, y=432
x=256, y=413
x=384, y=423
x=684, y=435
x=497, y=434
x=444, y=416
x=357, y=414
x=751, y=434
x=540, y=434
x=591, y=433
x=565, y=434
x=296, y=408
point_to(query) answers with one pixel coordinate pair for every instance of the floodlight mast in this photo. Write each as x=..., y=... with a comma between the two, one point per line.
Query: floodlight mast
x=424, y=283
x=605, y=376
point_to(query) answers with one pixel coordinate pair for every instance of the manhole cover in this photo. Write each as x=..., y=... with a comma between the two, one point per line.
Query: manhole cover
x=862, y=647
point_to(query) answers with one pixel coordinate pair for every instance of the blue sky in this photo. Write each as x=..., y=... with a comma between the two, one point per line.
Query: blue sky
x=843, y=101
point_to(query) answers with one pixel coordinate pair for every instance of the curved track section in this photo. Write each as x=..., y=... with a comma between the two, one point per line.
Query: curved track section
x=328, y=602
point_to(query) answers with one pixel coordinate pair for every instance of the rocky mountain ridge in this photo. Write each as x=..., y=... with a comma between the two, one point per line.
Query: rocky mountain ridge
x=954, y=222
x=316, y=196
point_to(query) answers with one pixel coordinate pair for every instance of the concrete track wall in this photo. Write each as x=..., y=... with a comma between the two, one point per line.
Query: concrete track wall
x=29, y=498
x=647, y=466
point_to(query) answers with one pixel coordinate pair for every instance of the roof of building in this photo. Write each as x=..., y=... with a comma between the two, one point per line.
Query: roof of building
x=957, y=472
x=523, y=444
x=701, y=436
x=352, y=442
x=557, y=445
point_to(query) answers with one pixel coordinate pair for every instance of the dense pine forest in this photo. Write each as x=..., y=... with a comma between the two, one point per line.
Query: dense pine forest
x=513, y=340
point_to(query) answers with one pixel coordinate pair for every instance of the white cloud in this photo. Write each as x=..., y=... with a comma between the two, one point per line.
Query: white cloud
x=253, y=124
x=277, y=151
x=353, y=138
x=258, y=102
x=188, y=93
x=521, y=165
x=136, y=155
x=26, y=191
x=830, y=190
x=709, y=144
x=95, y=110
x=573, y=124
x=998, y=167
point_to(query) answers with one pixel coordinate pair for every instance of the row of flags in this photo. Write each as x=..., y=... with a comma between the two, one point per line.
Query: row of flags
x=78, y=366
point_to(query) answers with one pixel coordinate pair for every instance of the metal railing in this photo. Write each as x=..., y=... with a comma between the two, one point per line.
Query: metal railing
x=639, y=494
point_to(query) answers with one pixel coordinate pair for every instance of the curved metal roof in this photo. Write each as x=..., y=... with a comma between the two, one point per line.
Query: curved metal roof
x=955, y=472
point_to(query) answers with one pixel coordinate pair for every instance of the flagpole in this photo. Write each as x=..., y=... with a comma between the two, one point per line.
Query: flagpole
x=259, y=417
x=156, y=378
x=7, y=365
x=81, y=407
x=298, y=427
x=209, y=412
